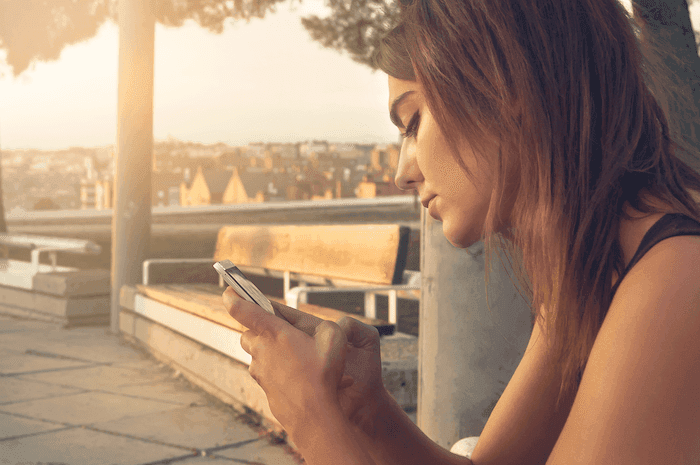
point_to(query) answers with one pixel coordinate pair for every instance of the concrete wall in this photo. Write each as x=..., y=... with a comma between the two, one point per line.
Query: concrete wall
x=467, y=352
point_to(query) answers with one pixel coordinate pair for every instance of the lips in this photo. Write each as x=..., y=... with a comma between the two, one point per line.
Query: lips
x=426, y=201
x=428, y=204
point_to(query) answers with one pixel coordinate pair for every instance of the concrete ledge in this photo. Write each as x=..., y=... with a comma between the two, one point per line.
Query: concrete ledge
x=68, y=310
x=76, y=283
x=87, y=320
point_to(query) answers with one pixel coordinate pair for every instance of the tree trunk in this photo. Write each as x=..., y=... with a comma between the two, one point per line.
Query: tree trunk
x=667, y=26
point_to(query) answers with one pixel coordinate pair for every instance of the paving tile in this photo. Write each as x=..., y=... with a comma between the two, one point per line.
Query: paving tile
x=262, y=451
x=14, y=363
x=103, y=377
x=14, y=388
x=195, y=427
x=93, y=344
x=12, y=425
x=83, y=447
x=173, y=392
x=87, y=408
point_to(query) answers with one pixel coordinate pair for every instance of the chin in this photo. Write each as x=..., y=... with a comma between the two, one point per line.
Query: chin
x=460, y=239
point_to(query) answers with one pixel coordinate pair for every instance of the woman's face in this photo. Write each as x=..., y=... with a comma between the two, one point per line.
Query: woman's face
x=427, y=165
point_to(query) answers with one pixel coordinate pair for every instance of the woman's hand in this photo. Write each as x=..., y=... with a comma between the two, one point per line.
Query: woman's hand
x=307, y=365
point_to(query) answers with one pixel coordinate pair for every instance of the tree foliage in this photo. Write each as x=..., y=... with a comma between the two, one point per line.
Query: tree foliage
x=38, y=30
x=667, y=27
x=354, y=26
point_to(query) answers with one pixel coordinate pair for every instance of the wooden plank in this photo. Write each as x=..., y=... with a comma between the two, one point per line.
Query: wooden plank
x=370, y=253
x=192, y=300
x=88, y=282
x=205, y=301
x=214, y=335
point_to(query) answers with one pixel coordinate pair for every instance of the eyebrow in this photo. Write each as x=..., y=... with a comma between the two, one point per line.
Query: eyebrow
x=392, y=114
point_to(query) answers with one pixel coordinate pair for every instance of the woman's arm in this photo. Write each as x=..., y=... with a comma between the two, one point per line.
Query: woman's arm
x=331, y=440
x=395, y=439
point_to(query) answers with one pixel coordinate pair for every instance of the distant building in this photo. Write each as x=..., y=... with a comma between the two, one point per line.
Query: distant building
x=384, y=157
x=87, y=194
x=165, y=188
x=104, y=195
x=257, y=185
x=208, y=187
x=96, y=194
x=371, y=188
x=316, y=147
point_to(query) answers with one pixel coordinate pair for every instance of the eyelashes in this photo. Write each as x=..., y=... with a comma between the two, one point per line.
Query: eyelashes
x=412, y=127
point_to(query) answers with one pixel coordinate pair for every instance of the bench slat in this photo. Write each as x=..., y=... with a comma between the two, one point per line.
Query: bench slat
x=205, y=301
x=370, y=253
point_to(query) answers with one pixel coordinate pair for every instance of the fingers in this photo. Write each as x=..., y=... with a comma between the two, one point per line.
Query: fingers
x=250, y=315
x=300, y=320
x=358, y=333
x=247, y=341
x=331, y=342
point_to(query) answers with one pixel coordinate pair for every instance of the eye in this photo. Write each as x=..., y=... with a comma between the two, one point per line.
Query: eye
x=412, y=127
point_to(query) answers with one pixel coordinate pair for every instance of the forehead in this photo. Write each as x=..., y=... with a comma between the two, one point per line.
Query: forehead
x=398, y=87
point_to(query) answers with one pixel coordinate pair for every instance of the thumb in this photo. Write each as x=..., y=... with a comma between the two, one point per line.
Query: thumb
x=359, y=334
x=332, y=345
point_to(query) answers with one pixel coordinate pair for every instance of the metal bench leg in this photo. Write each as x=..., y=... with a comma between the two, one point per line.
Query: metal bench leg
x=370, y=305
x=392, y=307
x=303, y=297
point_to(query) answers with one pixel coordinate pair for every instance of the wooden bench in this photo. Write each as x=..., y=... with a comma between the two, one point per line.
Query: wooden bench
x=66, y=295
x=167, y=317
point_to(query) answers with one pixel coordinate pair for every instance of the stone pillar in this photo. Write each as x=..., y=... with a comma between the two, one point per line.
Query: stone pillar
x=131, y=220
x=466, y=352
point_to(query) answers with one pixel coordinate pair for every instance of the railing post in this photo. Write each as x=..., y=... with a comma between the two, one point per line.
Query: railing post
x=131, y=220
x=467, y=353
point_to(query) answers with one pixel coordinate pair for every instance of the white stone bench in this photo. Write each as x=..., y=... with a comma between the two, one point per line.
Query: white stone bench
x=66, y=295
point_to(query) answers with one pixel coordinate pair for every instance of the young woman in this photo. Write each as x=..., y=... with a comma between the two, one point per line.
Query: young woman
x=532, y=125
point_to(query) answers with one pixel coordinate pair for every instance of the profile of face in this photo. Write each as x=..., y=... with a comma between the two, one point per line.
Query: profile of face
x=427, y=165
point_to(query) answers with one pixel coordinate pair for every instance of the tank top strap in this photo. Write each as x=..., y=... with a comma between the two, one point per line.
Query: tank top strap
x=669, y=225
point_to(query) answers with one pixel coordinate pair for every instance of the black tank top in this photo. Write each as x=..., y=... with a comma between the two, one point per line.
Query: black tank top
x=669, y=225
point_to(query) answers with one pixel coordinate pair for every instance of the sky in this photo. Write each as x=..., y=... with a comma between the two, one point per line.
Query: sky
x=265, y=80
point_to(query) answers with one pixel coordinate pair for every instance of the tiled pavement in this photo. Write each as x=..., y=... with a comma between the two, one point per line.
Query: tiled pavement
x=84, y=396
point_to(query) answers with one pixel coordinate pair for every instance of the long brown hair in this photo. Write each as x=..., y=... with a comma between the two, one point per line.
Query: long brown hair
x=566, y=90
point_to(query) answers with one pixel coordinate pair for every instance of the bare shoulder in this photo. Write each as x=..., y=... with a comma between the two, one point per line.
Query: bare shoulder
x=639, y=398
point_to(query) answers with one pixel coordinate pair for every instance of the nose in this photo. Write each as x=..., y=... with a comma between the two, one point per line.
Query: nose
x=408, y=174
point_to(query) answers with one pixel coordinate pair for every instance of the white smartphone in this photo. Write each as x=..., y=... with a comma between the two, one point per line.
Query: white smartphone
x=243, y=287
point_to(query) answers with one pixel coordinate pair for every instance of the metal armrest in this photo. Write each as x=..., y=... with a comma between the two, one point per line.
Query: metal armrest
x=170, y=261
x=297, y=294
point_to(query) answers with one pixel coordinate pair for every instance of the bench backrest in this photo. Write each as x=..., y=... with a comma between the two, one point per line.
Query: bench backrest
x=372, y=253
